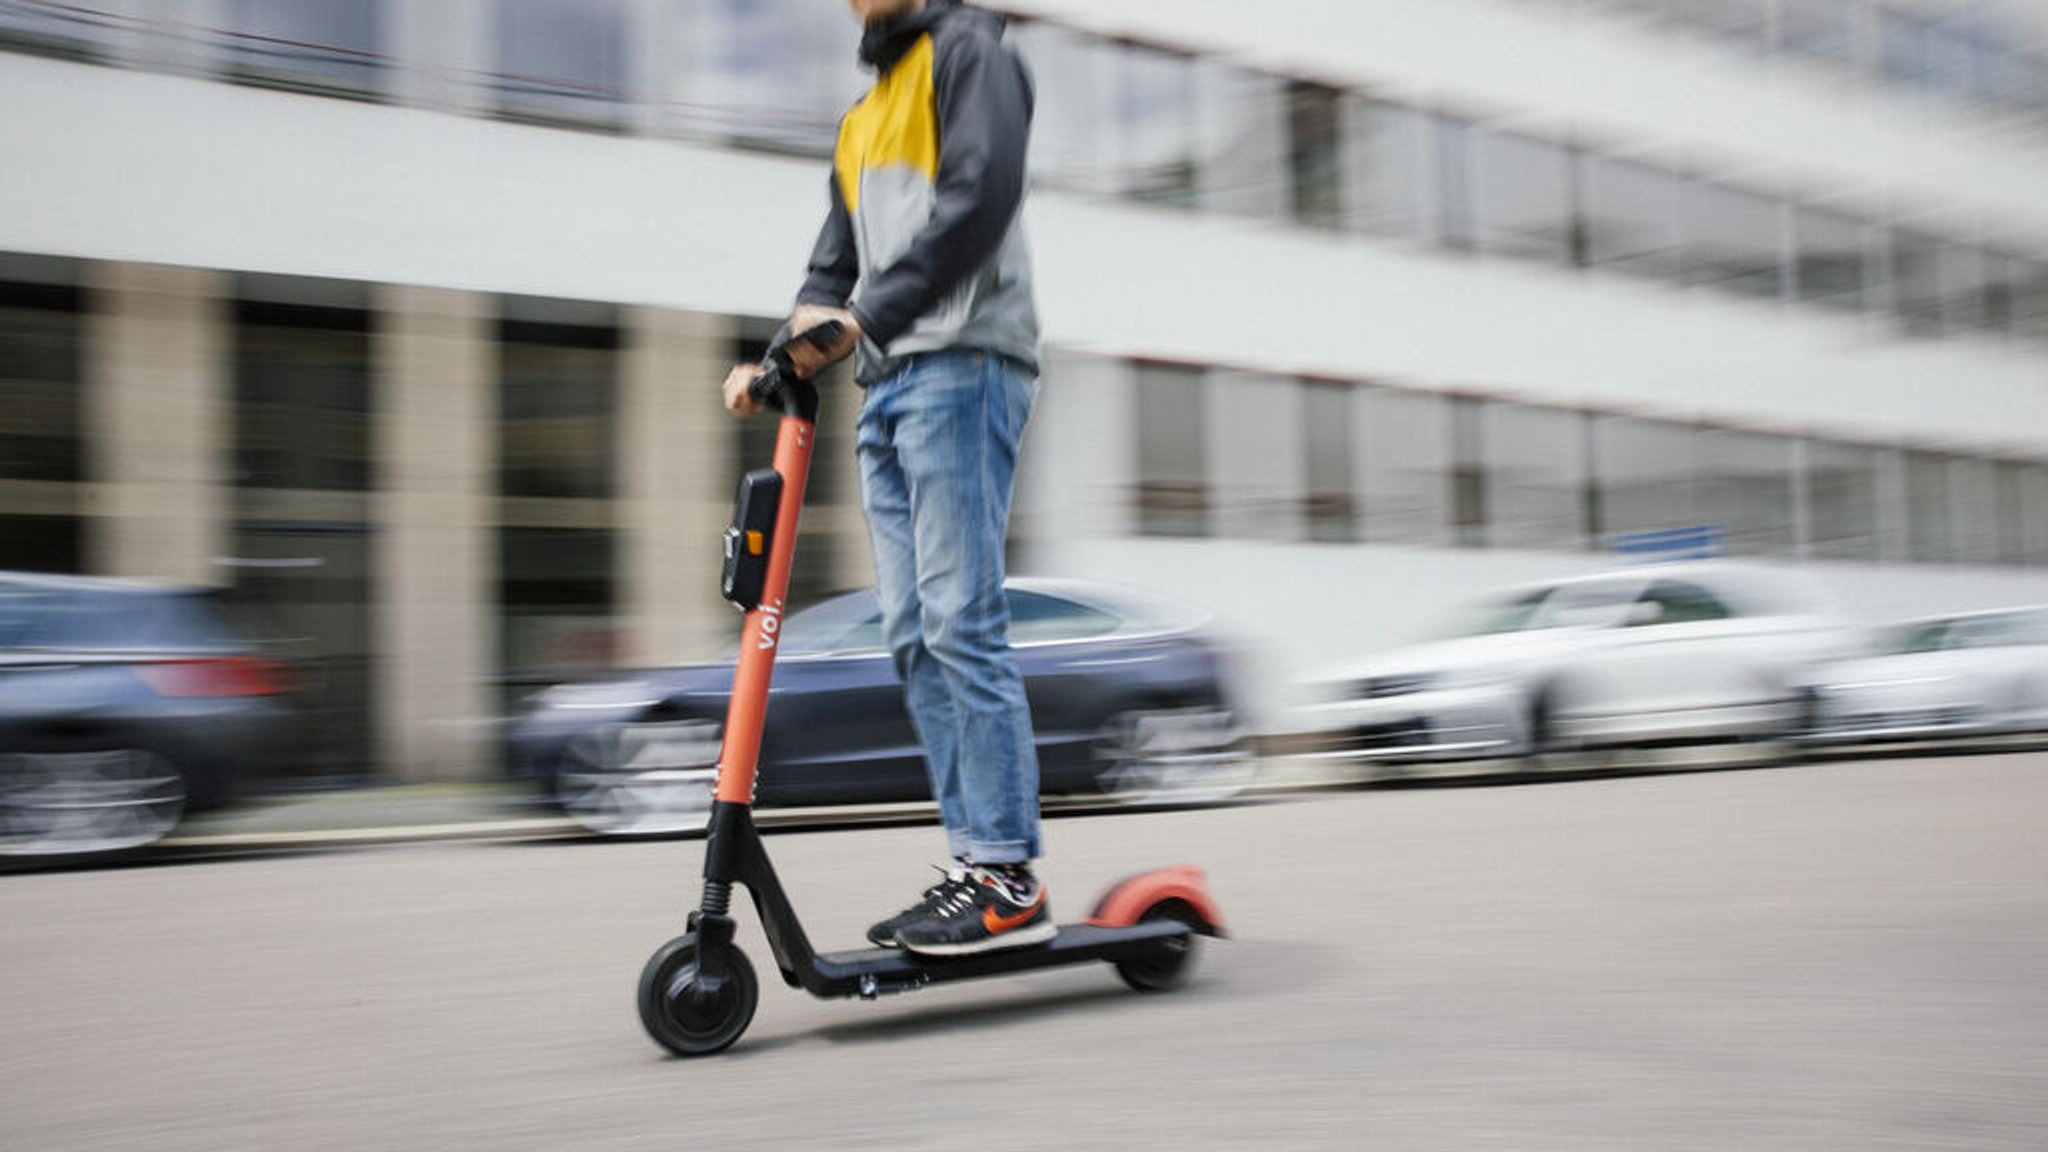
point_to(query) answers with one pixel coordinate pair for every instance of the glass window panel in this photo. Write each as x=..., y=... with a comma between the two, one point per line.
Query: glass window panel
x=1522, y=197
x=1535, y=476
x=1154, y=112
x=1071, y=129
x=41, y=543
x=1453, y=147
x=1744, y=25
x=1999, y=271
x=329, y=45
x=1731, y=240
x=1927, y=507
x=1389, y=168
x=1404, y=460
x=1964, y=287
x=1973, y=510
x=1817, y=30
x=2028, y=294
x=1174, y=487
x=1330, y=502
x=1315, y=156
x=557, y=597
x=1469, y=511
x=557, y=409
x=1916, y=282
x=1902, y=48
x=561, y=60
x=302, y=398
x=1842, y=501
x=774, y=74
x=1242, y=123
x=2012, y=510
x=57, y=27
x=39, y=383
x=1644, y=476
x=2033, y=514
x=1745, y=490
x=1631, y=217
x=1831, y=258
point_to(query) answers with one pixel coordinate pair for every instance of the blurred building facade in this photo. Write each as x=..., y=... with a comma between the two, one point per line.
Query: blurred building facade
x=402, y=320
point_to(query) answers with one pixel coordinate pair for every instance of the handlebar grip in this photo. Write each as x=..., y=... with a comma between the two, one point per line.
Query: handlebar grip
x=769, y=383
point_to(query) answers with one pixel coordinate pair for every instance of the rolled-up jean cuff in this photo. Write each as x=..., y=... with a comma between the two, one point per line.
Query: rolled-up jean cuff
x=1004, y=852
x=959, y=845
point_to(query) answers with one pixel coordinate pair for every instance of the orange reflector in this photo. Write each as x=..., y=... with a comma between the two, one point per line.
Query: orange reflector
x=753, y=543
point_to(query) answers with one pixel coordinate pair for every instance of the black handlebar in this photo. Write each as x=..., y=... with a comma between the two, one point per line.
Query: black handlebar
x=779, y=371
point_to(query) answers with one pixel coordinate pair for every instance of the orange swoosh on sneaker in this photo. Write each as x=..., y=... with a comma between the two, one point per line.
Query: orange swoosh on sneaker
x=998, y=923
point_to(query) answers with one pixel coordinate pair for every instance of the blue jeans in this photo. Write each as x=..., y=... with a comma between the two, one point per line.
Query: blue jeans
x=937, y=443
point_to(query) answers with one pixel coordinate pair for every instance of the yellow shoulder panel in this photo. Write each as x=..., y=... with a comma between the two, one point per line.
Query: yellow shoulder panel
x=895, y=124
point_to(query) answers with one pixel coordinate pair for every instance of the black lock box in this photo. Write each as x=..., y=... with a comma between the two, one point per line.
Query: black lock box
x=751, y=537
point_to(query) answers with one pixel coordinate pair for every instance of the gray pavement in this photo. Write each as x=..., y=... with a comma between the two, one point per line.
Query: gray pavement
x=1834, y=956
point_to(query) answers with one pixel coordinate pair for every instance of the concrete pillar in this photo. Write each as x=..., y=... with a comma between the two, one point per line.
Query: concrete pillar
x=435, y=591
x=675, y=484
x=158, y=418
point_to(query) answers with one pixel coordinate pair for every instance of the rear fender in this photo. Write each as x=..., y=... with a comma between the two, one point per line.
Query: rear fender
x=1131, y=898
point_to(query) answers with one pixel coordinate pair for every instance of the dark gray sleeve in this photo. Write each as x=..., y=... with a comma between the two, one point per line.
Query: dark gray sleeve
x=984, y=112
x=834, y=265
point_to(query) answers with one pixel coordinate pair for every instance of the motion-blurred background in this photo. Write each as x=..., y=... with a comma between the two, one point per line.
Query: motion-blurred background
x=398, y=322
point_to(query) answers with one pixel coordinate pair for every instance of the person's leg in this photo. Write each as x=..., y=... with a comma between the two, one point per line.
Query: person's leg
x=959, y=422
x=885, y=501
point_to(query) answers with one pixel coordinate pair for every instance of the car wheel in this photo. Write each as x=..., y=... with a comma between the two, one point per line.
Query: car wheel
x=85, y=803
x=1186, y=755
x=640, y=779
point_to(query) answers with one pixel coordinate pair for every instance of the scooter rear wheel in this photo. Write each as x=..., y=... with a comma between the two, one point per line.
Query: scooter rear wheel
x=1167, y=964
x=680, y=1015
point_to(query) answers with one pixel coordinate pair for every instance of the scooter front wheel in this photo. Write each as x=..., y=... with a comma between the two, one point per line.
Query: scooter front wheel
x=681, y=1014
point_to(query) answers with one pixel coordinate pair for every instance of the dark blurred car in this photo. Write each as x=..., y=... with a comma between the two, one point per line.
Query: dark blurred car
x=1128, y=698
x=123, y=706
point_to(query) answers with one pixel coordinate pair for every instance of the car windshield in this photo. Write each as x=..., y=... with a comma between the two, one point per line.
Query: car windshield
x=1563, y=606
x=2006, y=628
x=63, y=618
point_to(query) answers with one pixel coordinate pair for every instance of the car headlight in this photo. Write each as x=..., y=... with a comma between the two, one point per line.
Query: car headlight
x=604, y=694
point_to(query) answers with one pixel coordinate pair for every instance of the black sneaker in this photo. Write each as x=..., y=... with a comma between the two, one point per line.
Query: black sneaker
x=883, y=934
x=989, y=911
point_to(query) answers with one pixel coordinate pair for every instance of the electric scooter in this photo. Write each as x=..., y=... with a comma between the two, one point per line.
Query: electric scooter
x=698, y=991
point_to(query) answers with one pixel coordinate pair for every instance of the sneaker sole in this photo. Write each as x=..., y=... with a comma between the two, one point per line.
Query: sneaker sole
x=1015, y=938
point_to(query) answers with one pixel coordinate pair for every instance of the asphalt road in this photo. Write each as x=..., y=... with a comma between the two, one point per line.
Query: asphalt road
x=1837, y=956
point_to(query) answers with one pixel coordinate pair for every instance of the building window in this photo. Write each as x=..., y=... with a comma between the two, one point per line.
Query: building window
x=302, y=397
x=1916, y=282
x=2029, y=508
x=1745, y=491
x=773, y=74
x=330, y=46
x=1631, y=217
x=557, y=538
x=1405, y=468
x=1154, y=116
x=1522, y=202
x=39, y=383
x=1830, y=258
x=1928, y=508
x=1389, y=176
x=1744, y=25
x=1453, y=171
x=2027, y=294
x=1818, y=30
x=1973, y=510
x=1644, y=477
x=1315, y=155
x=1535, y=476
x=1842, y=501
x=1243, y=124
x=1964, y=276
x=1329, y=497
x=303, y=545
x=561, y=61
x=40, y=432
x=1173, y=495
x=1070, y=133
x=1730, y=239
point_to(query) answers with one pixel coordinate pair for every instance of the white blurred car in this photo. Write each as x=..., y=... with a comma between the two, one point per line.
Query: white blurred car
x=1970, y=674
x=1676, y=653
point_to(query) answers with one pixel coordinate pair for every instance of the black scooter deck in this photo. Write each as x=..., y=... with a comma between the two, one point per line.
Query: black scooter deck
x=872, y=971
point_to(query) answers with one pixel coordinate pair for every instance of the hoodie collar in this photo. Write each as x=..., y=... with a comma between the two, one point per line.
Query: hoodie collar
x=884, y=43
